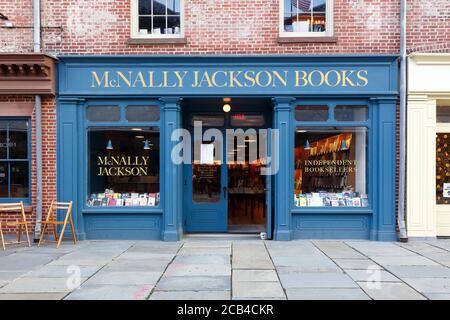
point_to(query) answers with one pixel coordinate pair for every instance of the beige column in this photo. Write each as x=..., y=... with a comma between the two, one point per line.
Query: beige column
x=421, y=166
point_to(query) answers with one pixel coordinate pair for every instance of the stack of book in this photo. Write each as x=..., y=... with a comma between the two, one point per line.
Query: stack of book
x=327, y=199
x=112, y=199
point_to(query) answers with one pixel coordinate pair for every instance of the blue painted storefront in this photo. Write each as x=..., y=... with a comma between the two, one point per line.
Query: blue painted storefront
x=288, y=80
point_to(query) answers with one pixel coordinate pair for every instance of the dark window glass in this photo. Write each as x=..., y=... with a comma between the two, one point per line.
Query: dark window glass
x=19, y=179
x=206, y=182
x=18, y=142
x=247, y=120
x=443, y=168
x=311, y=113
x=14, y=162
x=3, y=140
x=173, y=7
x=124, y=168
x=173, y=24
x=4, y=173
x=330, y=168
x=142, y=113
x=145, y=25
x=145, y=7
x=443, y=114
x=209, y=121
x=159, y=7
x=351, y=113
x=103, y=113
x=159, y=25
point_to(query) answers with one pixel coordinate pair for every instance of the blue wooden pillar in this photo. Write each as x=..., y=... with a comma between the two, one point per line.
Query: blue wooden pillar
x=386, y=154
x=284, y=179
x=172, y=173
x=68, y=153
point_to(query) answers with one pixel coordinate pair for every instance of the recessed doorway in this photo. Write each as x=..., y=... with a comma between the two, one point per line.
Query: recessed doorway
x=229, y=193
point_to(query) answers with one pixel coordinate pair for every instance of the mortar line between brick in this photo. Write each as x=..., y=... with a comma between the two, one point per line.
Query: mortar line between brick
x=384, y=269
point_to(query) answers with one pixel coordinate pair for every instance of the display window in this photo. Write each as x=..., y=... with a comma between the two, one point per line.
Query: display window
x=14, y=159
x=331, y=160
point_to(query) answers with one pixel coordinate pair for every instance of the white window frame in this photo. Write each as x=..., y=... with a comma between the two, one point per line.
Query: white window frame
x=329, y=24
x=135, y=24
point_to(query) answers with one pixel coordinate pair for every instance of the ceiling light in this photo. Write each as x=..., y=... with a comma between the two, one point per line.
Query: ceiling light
x=226, y=107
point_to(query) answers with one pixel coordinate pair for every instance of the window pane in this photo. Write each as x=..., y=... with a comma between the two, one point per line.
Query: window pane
x=3, y=142
x=103, y=113
x=145, y=6
x=311, y=113
x=443, y=114
x=145, y=25
x=124, y=167
x=443, y=168
x=18, y=140
x=305, y=15
x=206, y=182
x=173, y=25
x=247, y=120
x=142, y=113
x=159, y=25
x=19, y=179
x=4, y=180
x=351, y=113
x=159, y=7
x=209, y=121
x=331, y=167
x=173, y=7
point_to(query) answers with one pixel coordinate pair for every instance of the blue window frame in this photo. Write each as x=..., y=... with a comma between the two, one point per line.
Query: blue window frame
x=134, y=126
x=15, y=155
x=332, y=155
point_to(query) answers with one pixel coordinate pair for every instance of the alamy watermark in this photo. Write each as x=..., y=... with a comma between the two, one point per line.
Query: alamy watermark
x=251, y=145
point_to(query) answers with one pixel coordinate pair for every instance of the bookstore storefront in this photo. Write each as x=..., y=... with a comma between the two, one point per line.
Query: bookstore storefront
x=428, y=135
x=323, y=127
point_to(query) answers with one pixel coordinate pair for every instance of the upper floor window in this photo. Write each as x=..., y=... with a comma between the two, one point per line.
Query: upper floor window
x=306, y=18
x=157, y=18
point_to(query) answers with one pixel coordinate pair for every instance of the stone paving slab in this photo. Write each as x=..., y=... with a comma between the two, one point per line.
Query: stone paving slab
x=356, y=264
x=205, y=251
x=256, y=290
x=124, y=278
x=111, y=292
x=326, y=294
x=137, y=265
x=372, y=275
x=10, y=275
x=317, y=280
x=255, y=275
x=403, y=261
x=374, y=248
x=219, y=283
x=190, y=295
x=429, y=285
x=37, y=285
x=55, y=271
x=207, y=244
x=438, y=296
x=208, y=259
x=176, y=269
x=391, y=291
x=32, y=296
x=337, y=250
x=419, y=271
x=306, y=263
x=251, y=256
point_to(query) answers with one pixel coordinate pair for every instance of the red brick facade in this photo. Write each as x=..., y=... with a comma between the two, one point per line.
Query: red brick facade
x=211, y=27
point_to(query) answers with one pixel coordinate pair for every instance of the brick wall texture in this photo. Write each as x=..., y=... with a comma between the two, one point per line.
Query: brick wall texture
x=211, y=27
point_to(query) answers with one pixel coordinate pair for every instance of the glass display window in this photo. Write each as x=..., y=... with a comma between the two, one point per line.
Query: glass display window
x=330, y=167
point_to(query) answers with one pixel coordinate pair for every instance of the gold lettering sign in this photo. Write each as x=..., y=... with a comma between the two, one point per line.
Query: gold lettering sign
x=230, y=78
x=330, y=166
x=122, y=166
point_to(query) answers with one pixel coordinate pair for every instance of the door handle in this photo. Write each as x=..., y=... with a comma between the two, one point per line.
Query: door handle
x=224, y=192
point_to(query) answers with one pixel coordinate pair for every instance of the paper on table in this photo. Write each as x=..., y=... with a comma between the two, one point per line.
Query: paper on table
x=207, y=154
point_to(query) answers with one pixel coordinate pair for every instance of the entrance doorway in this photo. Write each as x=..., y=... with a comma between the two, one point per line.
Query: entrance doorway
x=224, y=189
x=443, y=170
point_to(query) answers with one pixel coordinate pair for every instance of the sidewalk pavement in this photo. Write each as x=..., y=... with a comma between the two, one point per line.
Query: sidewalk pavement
x=228, y=269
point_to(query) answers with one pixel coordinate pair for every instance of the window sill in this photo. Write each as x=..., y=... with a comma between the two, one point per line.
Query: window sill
x=282, y=39
x=157, y=41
